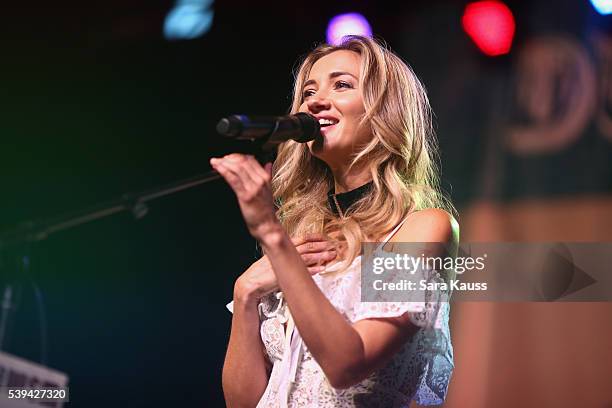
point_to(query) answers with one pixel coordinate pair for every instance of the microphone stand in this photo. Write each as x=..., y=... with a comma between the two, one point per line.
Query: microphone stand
x=35, y=231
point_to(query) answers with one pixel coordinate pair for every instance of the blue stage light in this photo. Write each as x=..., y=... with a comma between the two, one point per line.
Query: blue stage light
x=602, y=6
x=188, y=19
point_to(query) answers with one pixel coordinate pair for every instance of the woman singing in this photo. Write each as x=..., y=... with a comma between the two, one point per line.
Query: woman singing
x=301, y=337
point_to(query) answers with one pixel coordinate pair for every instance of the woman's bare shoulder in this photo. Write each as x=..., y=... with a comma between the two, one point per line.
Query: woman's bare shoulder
x=428, y=225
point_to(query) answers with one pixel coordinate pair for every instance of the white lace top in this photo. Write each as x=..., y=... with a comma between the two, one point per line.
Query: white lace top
x=421, y=370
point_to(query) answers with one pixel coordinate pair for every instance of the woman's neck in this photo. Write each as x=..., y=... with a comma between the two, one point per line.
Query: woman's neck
x=349, y=180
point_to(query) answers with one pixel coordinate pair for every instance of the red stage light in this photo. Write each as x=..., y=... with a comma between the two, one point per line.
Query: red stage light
x=490, y=24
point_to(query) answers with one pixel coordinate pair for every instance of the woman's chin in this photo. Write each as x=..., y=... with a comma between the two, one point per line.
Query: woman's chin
x=319, y=145
x=325, y=151
x=327, y=147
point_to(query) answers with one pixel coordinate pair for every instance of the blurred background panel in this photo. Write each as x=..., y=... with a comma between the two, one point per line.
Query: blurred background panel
x=102, y=98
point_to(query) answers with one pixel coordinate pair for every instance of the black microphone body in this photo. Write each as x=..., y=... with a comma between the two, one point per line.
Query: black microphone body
x=270, y=131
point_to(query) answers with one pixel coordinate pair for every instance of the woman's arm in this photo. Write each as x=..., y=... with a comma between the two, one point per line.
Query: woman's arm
x=346, y=352
x=245, y=370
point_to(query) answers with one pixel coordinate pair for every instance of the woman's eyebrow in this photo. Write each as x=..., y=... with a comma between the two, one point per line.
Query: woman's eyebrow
x=331, y=76
x=340, y=73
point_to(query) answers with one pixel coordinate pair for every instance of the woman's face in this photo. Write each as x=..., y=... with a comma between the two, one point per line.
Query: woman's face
x=331, y=93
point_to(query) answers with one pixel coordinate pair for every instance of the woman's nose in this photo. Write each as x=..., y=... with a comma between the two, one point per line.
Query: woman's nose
x=318, y=103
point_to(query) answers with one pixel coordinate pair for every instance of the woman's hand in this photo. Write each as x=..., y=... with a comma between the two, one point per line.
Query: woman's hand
x=251, y=183
x=259, y=279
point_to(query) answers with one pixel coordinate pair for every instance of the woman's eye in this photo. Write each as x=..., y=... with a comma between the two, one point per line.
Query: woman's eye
x=343, y=84
x=308, y=92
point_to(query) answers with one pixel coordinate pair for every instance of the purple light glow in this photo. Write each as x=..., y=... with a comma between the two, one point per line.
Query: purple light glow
x=346, y=24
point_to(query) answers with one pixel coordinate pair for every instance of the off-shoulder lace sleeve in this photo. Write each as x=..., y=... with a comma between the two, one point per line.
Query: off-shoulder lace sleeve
x=422, y=305
x=422, y=314
x=430, y=349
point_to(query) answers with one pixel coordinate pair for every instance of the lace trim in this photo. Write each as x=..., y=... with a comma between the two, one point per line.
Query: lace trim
x=423, y=315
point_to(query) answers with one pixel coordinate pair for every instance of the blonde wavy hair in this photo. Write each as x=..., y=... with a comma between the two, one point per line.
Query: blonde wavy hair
x=401, y=156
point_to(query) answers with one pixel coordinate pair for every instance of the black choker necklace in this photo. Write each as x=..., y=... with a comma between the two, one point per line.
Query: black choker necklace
x=341, y=202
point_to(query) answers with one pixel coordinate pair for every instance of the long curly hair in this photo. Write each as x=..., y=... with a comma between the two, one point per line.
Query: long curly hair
x=401, y=156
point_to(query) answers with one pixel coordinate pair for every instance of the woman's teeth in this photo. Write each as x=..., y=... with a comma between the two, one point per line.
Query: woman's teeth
x=327, y=122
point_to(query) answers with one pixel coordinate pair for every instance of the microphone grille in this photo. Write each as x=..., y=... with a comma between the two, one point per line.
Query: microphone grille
x=230, y=126
x=310, y=127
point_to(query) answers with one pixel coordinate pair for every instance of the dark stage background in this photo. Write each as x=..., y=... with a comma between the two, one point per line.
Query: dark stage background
x=96, y=103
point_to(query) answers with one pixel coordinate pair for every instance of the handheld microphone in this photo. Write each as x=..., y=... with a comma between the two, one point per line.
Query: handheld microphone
x=270, y=131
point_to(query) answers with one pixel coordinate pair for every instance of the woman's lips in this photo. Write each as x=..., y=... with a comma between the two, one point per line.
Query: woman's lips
x=327, y=129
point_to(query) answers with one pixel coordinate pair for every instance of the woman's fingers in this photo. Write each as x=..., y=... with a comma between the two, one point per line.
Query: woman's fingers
x=253, y=192
x=244, y=174
x=228, y=174
x=253, y=169
x=257, y=171
x=316, y=269
x=319, y=258
x=268, y=170
x=315, y=249
x=237, y=164
x=312, y=237
x=315, y=246
x=249, y=179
